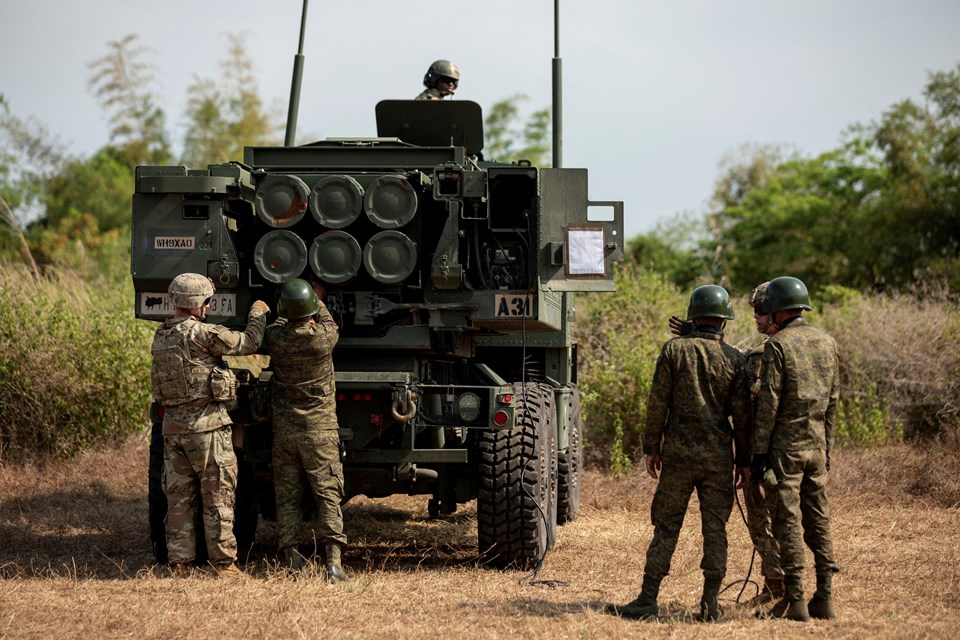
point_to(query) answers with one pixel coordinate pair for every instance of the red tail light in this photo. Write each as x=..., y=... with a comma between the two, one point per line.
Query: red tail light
x=500, y=418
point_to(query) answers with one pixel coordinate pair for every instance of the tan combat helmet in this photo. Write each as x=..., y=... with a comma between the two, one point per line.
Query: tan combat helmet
x=190, y=290
x=756, y=296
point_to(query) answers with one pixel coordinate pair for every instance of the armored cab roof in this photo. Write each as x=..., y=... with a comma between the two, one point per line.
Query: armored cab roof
x=432, y=123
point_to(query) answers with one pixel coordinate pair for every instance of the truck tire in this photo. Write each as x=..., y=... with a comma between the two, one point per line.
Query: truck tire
x=157, y=504
x=570, y=465
x=156, y=500
x=516, y=506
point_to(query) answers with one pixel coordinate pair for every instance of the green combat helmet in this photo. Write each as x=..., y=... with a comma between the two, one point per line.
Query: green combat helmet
x=710, y=301
x=785, y=293
x=190, y=290
x=440, y=69
x=297, y=300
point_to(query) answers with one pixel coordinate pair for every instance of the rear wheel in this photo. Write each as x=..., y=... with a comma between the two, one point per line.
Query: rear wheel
x=570, y=465
x=516, y=501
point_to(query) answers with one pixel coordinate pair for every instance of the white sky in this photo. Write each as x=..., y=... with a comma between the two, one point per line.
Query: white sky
x=655, y=93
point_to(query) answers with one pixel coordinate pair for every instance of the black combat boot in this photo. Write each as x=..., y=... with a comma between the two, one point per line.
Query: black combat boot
x=292, y=559
x=644, y=607
x=792, y=606
x=710, y=609
x=335, y=571
x=821, y=604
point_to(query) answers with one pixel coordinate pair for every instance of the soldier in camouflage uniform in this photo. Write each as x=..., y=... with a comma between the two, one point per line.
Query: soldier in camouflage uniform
x=698, y=385
x=757, y=501
x=192, y=384
x=441, y=80
x=306, y=443
x=792, y=438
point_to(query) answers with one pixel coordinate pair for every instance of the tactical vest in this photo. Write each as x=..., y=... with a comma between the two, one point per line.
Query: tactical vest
x=178, y=377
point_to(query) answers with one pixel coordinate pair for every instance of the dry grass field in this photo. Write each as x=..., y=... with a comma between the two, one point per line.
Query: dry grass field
x=75, y=563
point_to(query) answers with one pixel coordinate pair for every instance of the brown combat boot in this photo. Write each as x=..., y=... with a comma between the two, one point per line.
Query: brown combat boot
x=180, y=570
x=821, y=604
x=644, y=606
x=228, y=571
x=335, y=571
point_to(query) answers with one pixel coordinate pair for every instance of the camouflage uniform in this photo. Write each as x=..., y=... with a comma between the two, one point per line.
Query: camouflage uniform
x=796, y=410
x=430, y=94
x=760, y=504
x=187, y=375
x=306, y=443
x=698, y=385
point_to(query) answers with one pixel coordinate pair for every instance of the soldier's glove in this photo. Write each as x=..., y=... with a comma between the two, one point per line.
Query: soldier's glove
x=758, y=465
x=259, y=306
x=679, y=326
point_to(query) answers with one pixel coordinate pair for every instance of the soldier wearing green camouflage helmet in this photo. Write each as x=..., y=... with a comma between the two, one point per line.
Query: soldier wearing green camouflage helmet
x=757, y=500
x=793, y=434
x=441, y=80
x=698, y=386
x=306, y=442
x=192, y=385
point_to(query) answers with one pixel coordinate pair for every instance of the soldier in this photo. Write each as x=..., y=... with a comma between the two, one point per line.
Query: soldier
x=699, y=383
x=441, y=80
x=757, y=502
x=193, y=385
x=792, y=438
x=306, y=443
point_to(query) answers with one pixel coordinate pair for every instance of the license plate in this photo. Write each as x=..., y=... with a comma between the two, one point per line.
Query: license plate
x=222, y=305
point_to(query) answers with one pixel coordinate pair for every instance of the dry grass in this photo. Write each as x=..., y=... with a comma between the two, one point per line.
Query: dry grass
x=74, y=563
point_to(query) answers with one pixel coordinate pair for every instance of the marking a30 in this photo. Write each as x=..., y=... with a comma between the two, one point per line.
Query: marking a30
x=512, y=306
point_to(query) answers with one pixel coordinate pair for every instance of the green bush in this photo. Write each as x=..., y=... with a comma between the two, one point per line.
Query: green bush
x=74, y=363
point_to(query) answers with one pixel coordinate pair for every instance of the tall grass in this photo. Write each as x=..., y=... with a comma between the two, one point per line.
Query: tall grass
x=899, y=361
x=74, y=363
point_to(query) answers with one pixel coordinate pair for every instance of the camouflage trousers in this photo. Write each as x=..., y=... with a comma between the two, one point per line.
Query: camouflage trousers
x=802, y=513
x=759, y=503
x=714, y=488
x=205, y=460
x=308, y=459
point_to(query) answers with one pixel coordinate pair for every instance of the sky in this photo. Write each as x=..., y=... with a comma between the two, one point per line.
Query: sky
x=655, y=93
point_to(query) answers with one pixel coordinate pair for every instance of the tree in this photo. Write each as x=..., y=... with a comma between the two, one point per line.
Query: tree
x=223, y=119
x=507, y=140
x=122, y=81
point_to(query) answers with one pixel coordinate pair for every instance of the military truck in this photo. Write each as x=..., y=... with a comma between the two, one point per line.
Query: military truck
x=451, y=279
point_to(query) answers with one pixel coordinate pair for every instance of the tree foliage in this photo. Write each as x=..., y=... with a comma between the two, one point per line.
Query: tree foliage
x=223, y=118
x=882, y=210
x=508, y=139
x=123, y=80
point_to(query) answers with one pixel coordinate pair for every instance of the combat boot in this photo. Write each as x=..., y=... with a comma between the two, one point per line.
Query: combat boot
x=228, y=571
x=821, y=604
x=335, y=571
x=772, y=591
x=792, y=606
x=292, y=559
x=644, y=606
x=710, y=609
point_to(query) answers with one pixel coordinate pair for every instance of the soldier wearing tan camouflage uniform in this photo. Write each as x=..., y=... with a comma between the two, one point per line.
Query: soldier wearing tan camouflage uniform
x=192, y=384
x=792, y=438
x=306, y=443
x=441, y=80
x=698, y=385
